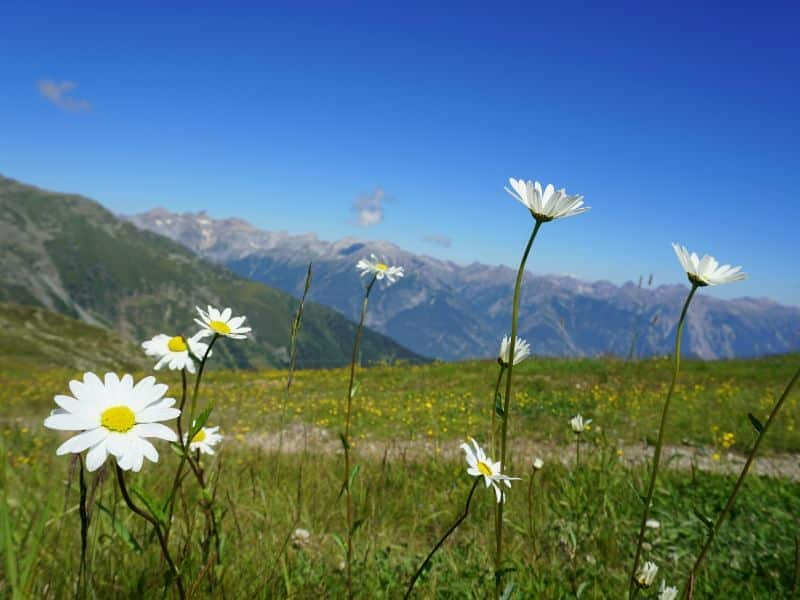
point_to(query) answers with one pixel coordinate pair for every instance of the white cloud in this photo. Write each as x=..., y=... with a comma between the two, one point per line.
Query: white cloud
x=369, y=208
x=58, y=94
x=438, y=239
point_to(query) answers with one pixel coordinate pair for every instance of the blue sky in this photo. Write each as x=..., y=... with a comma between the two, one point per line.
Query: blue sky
x=678, y=122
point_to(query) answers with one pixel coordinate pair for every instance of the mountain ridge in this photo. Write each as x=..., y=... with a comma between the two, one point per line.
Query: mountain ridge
x=454, y=311
x=69, y=254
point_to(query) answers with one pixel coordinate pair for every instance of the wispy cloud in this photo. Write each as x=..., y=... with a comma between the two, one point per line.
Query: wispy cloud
x=368, y=208
x=438, y=239
x=58, y=92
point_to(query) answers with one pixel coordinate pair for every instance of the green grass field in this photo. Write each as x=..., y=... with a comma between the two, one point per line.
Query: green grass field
x=575, y=536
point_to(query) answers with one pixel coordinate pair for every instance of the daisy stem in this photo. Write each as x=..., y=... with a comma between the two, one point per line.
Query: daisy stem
x=197, y=380
x=346, y=440
x=156, y=527
x=531, y=524
x=84, y=514
x=442, y=540
x=494, y=407
x=185, y=455
x=183, y=403
x=660, y=442
x=498, y=557
x=726, y=509
x=577, y=450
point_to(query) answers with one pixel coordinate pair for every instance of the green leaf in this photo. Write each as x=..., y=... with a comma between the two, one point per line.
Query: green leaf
x=201, y=420
x=354, y=391
x=339, y=542
x=507, y=592
x=122, y=531
x=151, y=505
x=498, y=405
x=756, y=423
x=353, y=474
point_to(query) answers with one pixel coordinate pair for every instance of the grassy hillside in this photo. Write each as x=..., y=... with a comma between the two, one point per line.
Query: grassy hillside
x=72, y=256
x=34, y=339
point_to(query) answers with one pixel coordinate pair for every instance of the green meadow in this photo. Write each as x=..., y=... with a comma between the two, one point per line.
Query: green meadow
x=571, y=529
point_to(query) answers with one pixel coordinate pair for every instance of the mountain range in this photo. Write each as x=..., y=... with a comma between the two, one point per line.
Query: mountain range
x=69, y=255
x=449, y=311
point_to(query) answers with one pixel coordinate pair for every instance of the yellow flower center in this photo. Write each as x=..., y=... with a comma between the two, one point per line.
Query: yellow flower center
x=118, y=418
x=177, y=344
x=484, y=469
x=381, y=267
x=199, y=436
x=220, y=327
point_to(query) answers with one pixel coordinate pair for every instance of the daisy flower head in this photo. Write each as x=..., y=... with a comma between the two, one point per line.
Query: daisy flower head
x=379, y=269
x=522, y=350
x=538, y=464
x=114, y=417
x=545, y=204
x=204, y=440
x=706, y=271
x=216, y=322
x=578, y=424
x=174, y=351
x=647, y=574
x=480, y=465
x=666, y=592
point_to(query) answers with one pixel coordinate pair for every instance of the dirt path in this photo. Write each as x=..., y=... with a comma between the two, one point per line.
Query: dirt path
x=675, y=457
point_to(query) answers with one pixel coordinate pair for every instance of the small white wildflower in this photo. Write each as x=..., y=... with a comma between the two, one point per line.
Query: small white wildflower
x=578, y=424
x=548, y=204
x=538, y=463
x=204, y=440
x=706, y=270
x=379, y=268
x=481, y=465
x=666, y=592
x=216, y=322
x=647, y=574
x=522, y=350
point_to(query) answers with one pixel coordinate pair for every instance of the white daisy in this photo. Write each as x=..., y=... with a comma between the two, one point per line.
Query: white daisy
x=548, y=204
x=114, y=417
x=222, y=323
x=173, y=351
x=204, y=440
x=578, y=424
x=538, y=463
x=373, y=266
x=706, y=270
x=666, y=592
x=522, y=350
x=481, y=465
x=647, y=574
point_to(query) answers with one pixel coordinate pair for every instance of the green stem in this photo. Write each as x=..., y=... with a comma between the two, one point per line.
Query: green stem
x=494, y=407
x=531, y=526
x=577, y=450
x=660, y=442
x=726, y=509
x=197, y=380
x=156, y=527
x=346, y=440
x=442, y=540
x=179, y=473
x=84, y=514
x=498, y=557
